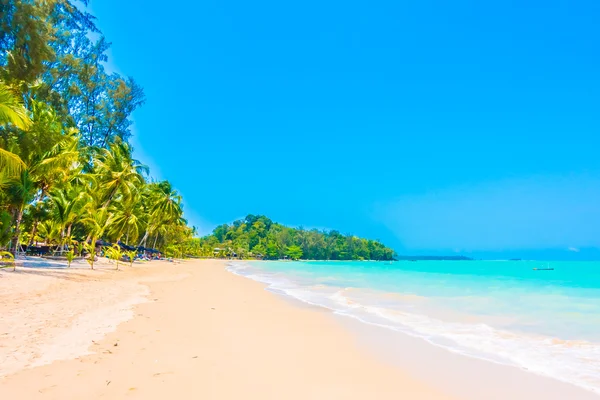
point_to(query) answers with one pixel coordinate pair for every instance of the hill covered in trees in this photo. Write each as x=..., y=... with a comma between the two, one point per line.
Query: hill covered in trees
x=258, y=236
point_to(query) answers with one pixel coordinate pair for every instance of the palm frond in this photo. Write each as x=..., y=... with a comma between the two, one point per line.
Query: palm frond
x=11, y=108
x=10, y=262
x=10, y=163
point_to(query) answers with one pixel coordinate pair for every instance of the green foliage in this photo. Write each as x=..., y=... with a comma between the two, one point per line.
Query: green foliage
x=26, y=38
x=14, y=113
x=91, y=249
x=175, y=251
x=131, y=256
x=5, y=226
x=80, y=247
x=263, y=238
x=7, y=258
x=67, y=171
x=115, y=253
x=70, y=255
x=272, y=251
x=294, y=252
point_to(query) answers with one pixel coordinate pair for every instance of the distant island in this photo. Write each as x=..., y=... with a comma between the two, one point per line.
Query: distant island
x=257, y=236
x=432, y=258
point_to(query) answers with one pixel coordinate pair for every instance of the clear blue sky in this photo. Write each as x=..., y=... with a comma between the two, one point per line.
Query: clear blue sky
x=436, y=126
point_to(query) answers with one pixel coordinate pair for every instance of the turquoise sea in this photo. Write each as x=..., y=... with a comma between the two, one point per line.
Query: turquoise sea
x=547, y=322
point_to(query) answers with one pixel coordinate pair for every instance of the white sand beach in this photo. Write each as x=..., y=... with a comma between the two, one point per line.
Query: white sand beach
x=194, y=330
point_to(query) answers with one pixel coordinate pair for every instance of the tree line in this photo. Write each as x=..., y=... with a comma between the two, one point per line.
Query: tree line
x=67, y=173
x=256, y=236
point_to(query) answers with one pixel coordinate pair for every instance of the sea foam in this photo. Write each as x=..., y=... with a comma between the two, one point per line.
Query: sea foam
x=573, y=361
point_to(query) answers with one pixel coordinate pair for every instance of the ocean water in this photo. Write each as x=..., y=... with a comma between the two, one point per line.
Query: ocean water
x=547, y=322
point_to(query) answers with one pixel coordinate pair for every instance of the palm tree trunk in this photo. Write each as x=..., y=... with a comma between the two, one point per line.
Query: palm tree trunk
x=155, y=239
x=36, y=220
x=109, y=199
x=17, y=230
x=92, y=254
x=144, y=238
x=62, y=239
x=33, y=231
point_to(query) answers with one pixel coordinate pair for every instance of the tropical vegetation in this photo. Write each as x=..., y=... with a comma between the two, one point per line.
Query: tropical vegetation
x=256, y=236
x=68, y=176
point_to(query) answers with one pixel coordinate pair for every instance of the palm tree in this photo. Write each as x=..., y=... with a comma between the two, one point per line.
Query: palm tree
x=12, y=112
x=11, y=260
x=21, y=192
x=115, y=253
x=165, y=208
x=12, y=109
x=97, y=222
x=48, y=231
x=10, y=162
x=4, y=180
x=57, y=166
x=167, y=202
x=131, y=254
x=66, y=202
x=70, y=255
x=118, y=172
x=128, y=219
x=49, y=169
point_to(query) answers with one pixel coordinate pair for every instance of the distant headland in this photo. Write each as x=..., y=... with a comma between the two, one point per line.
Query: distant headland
x=432, y=258
x=258, y=237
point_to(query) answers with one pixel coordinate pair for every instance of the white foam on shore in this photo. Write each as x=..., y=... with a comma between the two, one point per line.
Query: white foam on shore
x=572, y=361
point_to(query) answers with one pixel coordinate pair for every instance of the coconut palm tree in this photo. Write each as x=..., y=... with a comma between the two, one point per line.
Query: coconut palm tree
x=70, y=255
x=165, y=209
x=66, y=208
x=8, y=259
x=131, y=254
x=12, y=112
x=57, y=167
x=48, y=231
x=97, y=220
x=12, y=109
x=21, y=192
x=118, y=173
x=115, y=253
x=128, y=219
x=166, y=202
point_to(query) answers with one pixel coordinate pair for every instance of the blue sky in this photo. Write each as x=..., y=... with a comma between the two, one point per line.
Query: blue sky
x=435, y=126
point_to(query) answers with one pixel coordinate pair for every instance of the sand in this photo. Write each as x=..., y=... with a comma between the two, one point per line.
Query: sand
x=183, y=331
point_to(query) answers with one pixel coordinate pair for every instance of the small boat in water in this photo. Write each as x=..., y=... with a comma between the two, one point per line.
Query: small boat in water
x=544, y=269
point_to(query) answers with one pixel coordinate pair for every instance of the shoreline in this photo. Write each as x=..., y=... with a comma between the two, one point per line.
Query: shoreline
x=205, y=332
x=211, y=334
x=393, y=346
